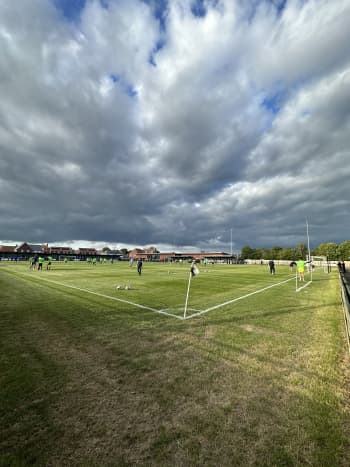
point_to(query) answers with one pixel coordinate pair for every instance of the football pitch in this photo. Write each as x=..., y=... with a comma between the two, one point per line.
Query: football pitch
x=164, y=288
x=94, y=373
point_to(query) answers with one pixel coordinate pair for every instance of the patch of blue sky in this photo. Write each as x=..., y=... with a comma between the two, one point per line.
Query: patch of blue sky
x=279, y=4
x=131, y=91
x=114, y=77
x=159, y=45
x=71, y=9
x=275, y=98
x=159, y=9
x=199, y=8
x=272, y=103
x=253, y=6
x=126, y=87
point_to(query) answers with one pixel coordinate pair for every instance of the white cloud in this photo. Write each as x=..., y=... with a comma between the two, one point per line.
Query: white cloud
x=240, y=118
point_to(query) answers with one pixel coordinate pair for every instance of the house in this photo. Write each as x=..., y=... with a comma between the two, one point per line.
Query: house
x=60, y=250
x=209, y=256
x=151, y=254
x=86, y=252
x=7, y=249
x=31, y=248
x=137, y=253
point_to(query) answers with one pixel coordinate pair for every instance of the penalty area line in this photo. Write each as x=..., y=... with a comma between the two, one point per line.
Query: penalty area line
x=144, y=307
x=238, y=298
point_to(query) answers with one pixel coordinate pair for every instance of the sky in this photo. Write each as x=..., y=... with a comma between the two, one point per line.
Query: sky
x=181, y=124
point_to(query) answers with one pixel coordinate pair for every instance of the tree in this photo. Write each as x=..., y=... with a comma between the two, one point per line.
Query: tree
x=247, y=252
x=259, y=253
x=301, y=251
x=328, y=249
x=288, y=254
x=344, y=251
x=266, y=253
x=276, y=252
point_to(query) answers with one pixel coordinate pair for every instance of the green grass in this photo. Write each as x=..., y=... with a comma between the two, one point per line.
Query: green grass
x=87, y=380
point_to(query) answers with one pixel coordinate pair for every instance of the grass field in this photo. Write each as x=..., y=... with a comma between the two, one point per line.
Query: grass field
x=94, y=376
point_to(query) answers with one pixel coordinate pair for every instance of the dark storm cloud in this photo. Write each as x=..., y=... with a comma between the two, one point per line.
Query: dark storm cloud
x=138, y=123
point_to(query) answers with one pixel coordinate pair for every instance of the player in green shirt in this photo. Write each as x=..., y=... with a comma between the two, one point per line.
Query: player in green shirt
x=301, y=269
x=40, y=263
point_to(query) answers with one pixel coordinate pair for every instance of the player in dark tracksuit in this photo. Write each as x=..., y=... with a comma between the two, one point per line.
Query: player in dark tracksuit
x=139, y=266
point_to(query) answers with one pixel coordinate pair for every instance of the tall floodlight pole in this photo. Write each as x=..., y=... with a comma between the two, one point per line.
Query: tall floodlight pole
x=308, y=246
x=308, y=239
x=231, y=244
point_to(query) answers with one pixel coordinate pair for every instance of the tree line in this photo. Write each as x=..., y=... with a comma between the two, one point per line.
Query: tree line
x=333, y=251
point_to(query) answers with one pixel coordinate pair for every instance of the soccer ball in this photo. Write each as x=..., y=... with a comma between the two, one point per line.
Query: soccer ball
x=118, y=287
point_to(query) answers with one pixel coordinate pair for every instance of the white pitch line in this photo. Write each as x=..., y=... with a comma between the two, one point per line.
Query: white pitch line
x=303, y=287
x=163, y=312
x=144, y=307
x=238, y=298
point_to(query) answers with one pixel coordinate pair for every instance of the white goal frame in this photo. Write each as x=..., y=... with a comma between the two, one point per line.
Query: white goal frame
x=322, y=262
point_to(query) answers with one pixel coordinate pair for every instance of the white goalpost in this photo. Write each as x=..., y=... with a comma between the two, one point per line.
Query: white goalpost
x=299, y=276
x=320, y=261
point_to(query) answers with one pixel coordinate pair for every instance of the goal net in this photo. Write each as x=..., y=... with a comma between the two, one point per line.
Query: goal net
x=321, y=261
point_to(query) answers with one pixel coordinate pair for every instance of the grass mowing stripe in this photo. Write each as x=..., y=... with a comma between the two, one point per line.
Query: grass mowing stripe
x=106, y=296
x=238, y=298
x=256, y=384
x=162, y=311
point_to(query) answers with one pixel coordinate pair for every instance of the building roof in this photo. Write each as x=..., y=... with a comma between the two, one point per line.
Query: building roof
x=34, y=248
x=115, y=252
x=7, y=248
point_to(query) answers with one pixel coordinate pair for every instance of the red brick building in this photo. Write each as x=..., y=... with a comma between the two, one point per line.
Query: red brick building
x=151, y=254
x=86, y=252
x=7, y=249
x=25, y=250
x=31, y=248
x=61, y=250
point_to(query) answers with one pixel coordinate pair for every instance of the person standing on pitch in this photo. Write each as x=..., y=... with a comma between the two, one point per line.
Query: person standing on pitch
x=48, y=266
x=343, y=267
x=139, y=266
x=301, y=269
x=194, y=269
x=41, y=262
x=272, y=266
